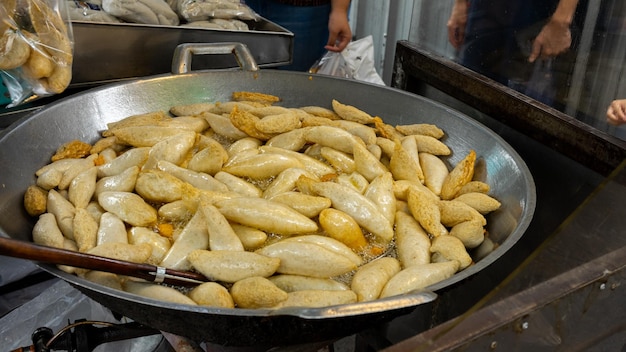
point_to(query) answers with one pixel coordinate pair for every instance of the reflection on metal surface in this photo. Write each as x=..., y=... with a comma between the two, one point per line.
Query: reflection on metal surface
x=570, y=312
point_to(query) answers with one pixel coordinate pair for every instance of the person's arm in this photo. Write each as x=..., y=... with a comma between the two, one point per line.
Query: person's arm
x=457, y=22
x=555, y=37
x=616, y=113
x=339, y=30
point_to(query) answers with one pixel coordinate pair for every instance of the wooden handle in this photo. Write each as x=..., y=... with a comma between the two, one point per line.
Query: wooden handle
x=27, y=250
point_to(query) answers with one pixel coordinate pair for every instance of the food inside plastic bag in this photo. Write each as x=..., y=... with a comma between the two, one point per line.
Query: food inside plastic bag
x=36, y=49
x=142, y=11
x=91, y=11
x=356, y=61
x=202, y=10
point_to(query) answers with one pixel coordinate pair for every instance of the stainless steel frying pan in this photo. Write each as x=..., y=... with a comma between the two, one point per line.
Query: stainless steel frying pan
x=28, y=144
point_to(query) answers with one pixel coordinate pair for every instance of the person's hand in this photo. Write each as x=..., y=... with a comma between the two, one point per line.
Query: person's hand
x=616, y=113
x=554, y=39
x=457, y=22
x=339, y=31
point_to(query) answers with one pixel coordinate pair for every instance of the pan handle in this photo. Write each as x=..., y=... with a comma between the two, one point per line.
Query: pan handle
x=181, y=63
x=26, y=250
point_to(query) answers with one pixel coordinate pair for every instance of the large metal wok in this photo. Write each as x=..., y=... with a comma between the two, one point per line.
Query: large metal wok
x=28, y=144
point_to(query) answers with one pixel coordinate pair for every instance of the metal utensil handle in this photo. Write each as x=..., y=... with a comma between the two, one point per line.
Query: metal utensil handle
x=181, y=63
x=59, y=256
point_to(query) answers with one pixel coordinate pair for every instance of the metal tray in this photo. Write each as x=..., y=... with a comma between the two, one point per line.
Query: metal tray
x=109, y=52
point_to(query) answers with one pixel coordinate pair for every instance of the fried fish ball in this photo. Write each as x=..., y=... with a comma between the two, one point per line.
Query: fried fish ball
x=130, y=207
x=210, y=159
x=479, y=201
x=50, y=179
x=160, y=244
x=328, y=243
x=122, y=182
x=366, y=133
x=80, y=166
x=254, y=96
x=247, y=122
x=308, y=163
x=262, y=166
x=419, y=276
x=85, y=230
x=194, y=236
x=333, y=137
x=308, y=259
x=318, y=298
x=257, y=292
x=160, y=187
x=221, y=234
x=454, y=212
x=111, y=229
x=35, y=200
x=425, y=129
x=435, y=171
x=64, y=211
x=471, y=233
x=275, y=124
x=199, y=180
x=340, y=161
x=285, y=181
x=39, y=63
x=212, y=294
x=462, y=173
x=343, y=228
x=136, y=253
x=46, y=232
x=474, y=186
x=158, y=292
x=130, y=158
x=351, y=113
x=451, y=248
x=105, y=279
x=366, y=163
x=223, y=126
x=232, y=266
x=238, y=184
x=250, y=237
x=363, y=210
x=191, y=109
x=72, y=149
x=428, y=144
x=291, y=283
x=412, y=242
x=426, y=212
x=268, y=216
x=139, y=120
x=14, y=49
x=370, y=279
x=292, y=140
x=321, y=112
x=403, y=166
x=83, y=187
x=380, y=191
x=174, y=149
x=307, y=205
x=59, y=79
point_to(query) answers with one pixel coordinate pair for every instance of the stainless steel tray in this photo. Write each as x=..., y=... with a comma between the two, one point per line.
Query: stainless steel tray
x=109, y=52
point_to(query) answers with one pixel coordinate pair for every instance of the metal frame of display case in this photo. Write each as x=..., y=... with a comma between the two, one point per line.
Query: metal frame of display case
x=567, y=272
x=595, y=149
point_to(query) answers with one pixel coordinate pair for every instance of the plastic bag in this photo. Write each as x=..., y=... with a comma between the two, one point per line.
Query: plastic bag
x=204, y=10
x=156, y=12
x=36, y=49
x=356, y=61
